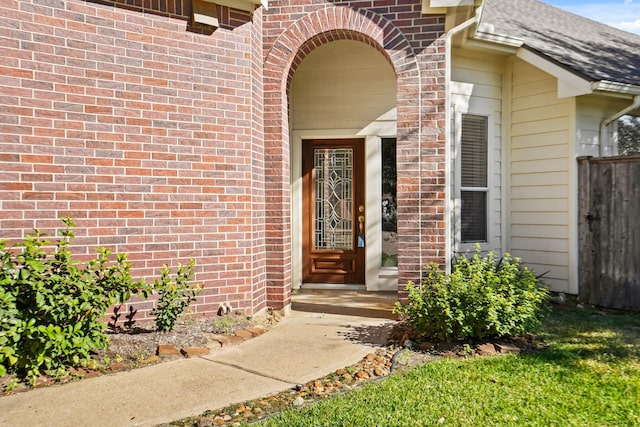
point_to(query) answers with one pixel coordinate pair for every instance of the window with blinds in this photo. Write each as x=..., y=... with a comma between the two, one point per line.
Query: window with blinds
x=473, y=186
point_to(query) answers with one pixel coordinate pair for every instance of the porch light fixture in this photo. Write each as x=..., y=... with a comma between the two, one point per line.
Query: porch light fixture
x=204, y=11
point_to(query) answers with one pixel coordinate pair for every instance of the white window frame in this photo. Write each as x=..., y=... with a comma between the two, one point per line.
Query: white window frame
x=489, y=190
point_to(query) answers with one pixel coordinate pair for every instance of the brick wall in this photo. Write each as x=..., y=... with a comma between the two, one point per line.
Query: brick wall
x=171, y=142
x=144, y=130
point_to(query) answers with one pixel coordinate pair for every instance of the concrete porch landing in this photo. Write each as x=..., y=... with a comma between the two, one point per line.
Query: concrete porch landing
x=343, y=302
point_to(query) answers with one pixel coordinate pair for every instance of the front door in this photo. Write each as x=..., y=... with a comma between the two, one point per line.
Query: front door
x=333, y=211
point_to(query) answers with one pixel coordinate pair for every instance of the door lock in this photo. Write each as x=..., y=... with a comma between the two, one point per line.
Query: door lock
x=361, y=227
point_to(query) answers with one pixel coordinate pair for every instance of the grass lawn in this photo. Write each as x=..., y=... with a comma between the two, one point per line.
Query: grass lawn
x=587, y=373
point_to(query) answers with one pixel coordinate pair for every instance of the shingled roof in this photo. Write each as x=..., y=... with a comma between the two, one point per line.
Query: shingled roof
x=594, y=51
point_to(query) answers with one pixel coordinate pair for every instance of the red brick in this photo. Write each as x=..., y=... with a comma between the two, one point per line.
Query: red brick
x=195, y=351
x=168, y=351
x=16, y=72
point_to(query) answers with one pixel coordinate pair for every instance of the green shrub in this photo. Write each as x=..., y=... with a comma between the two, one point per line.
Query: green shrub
x=10, y=324
x=174, y=295
x=482, y=298
x=51, y=305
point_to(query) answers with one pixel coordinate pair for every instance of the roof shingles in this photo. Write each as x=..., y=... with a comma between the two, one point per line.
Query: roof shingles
x=596, y=51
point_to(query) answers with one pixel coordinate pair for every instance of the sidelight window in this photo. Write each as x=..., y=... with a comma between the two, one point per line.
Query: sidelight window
x=389, y=204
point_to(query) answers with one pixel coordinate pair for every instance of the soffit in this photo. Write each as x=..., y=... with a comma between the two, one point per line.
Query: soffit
x=204, y=11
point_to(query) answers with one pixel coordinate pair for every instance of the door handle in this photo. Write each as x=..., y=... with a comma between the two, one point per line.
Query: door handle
x=361, y=219
x=361, y=226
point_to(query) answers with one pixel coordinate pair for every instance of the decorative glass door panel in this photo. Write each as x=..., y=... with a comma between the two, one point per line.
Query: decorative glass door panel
x=333, y=217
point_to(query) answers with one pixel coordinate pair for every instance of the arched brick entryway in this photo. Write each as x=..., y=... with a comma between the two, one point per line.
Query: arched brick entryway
x=419, y=137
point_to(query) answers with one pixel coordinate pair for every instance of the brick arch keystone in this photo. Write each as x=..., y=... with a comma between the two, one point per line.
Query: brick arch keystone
x=287, y=52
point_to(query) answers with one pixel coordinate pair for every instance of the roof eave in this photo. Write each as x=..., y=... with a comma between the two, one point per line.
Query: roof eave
x=485, y=32
x=615, y=87
x=570, y=82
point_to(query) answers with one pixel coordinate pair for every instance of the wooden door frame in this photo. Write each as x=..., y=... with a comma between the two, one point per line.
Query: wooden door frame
x=309, y=255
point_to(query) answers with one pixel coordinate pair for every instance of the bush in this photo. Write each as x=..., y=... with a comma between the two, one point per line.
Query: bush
x=174, y=295
x=480, y=299
x=51, y=305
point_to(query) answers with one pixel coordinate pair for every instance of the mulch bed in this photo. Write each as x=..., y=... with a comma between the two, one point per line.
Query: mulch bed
x=139, y=346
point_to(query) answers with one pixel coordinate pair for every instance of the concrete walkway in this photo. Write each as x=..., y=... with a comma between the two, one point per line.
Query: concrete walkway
x=302, y=347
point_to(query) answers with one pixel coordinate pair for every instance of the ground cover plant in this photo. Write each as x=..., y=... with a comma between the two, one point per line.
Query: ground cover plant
x=586, y=372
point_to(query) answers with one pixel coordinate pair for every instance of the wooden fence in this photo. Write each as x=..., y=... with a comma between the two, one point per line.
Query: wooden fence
x=609, y=231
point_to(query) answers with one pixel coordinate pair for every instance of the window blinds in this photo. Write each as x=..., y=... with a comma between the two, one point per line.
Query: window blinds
x=473, y=194
x=474, y=151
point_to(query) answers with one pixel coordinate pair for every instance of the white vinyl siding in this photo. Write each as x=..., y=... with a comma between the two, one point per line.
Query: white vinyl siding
x=591, y=111
x=476, y=90
x=540, y=153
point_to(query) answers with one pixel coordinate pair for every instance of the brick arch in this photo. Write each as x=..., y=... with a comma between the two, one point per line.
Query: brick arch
x=287, y=52
x=332, y=24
